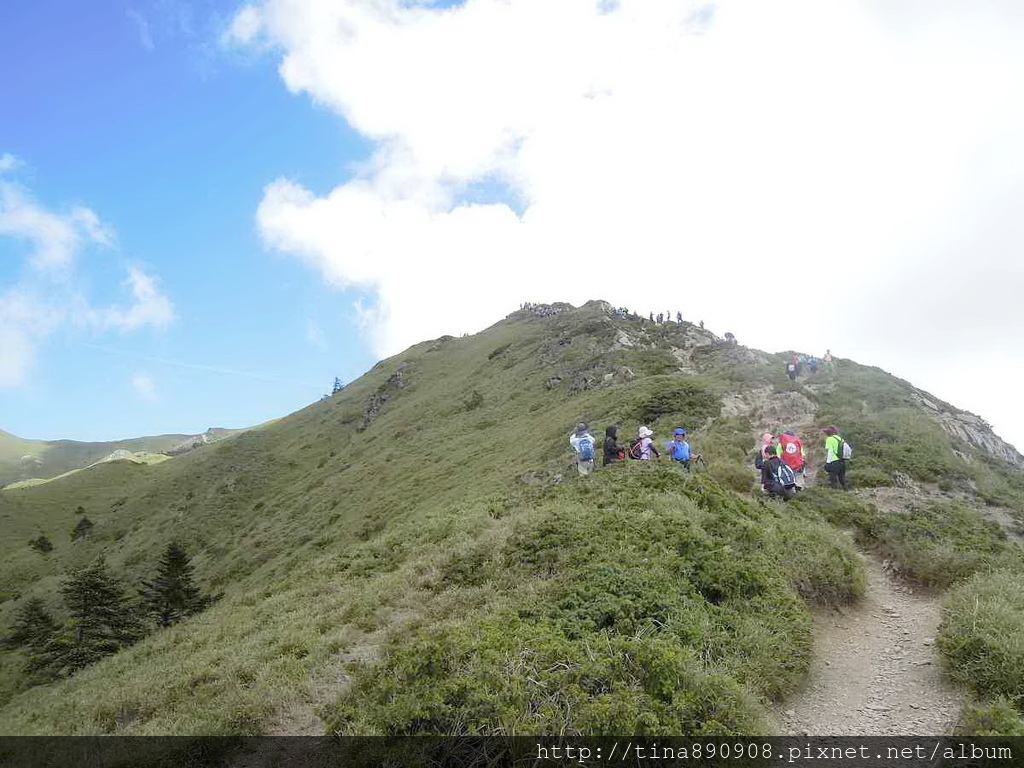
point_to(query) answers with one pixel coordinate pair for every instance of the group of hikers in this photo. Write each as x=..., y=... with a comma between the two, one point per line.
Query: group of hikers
x=541, y=310
x=796, y=364
x=662, y=318
x=782, y=461
x=641, y=448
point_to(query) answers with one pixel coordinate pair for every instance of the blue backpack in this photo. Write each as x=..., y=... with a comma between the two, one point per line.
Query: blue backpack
x=586, y=445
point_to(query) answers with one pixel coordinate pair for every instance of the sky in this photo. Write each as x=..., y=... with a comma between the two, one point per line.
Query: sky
x=208, y=210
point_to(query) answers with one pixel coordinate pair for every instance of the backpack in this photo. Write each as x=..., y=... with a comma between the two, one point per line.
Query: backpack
x=785, y=476
x=845, y=450
x=586, y=445
x=790, y=367
x=635, y=448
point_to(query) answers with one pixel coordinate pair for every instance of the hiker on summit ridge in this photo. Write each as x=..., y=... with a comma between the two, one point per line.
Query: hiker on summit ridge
x=836, y=453
x=792, y=369
x=583, y=443
x=791, y=450
x=678, y=449
x=612, y=450
x=679, y=317
x=729, y=338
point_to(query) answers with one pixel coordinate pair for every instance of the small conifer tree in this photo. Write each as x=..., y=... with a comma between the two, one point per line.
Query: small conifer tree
x=41, y=544
x=172, y=594
x=32, y=632
x=82, y=528
x=102, y=621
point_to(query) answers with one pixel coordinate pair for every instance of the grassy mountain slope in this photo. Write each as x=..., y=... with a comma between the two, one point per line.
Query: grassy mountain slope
x=22, y=459
x=387, y=553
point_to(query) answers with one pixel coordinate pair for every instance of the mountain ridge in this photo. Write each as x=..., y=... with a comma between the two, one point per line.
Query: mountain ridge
x=351, y=532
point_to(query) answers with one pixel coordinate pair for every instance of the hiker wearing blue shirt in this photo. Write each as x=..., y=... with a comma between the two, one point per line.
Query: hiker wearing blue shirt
x=583, y=443
x=678, y=449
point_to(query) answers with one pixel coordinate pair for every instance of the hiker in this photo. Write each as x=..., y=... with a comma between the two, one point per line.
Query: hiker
x=645, y=444
x=612, y=450
x=679, y=317
x=702, y=325
x=791, y=450
x=830, y=362
x=777, y=479
x=678, y=449
x=767, y=441
x=583, y=443
x=836, y=453
x=729, y=338
x=812, y=363
x=661, y=319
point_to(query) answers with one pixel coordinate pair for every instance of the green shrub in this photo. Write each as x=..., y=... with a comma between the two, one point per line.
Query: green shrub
x=824, y=569
x=733, y=475
x=942, y=543
x=842, y=509
x=867, y=476
x=652, y=362
x=688, y=399
x=982, y=634
x=504, y=675
x=644, y=600
x=997, y=717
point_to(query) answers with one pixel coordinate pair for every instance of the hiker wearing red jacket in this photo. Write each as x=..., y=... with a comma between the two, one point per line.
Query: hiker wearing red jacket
x=791, y=451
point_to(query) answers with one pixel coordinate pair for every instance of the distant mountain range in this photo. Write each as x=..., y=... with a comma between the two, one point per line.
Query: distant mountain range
x=22, y=459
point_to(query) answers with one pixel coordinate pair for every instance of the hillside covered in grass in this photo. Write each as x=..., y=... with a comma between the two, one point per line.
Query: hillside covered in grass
x=417, y=554
x=26, y=460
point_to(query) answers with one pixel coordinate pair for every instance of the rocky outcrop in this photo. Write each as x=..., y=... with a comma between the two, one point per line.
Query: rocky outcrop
x=394, y=384
x=189, y=445
x=967, y=428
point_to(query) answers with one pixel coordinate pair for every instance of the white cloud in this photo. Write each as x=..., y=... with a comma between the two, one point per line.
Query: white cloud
x=56, y=238
x=145, y=387
x=9, y=162
x=244, y=29
x=142, y=27
x=710, y=158
x=149, y=306
x=50, y=294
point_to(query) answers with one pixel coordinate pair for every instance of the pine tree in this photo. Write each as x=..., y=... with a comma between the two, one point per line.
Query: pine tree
x=102, y=621
x=41, y=544
x=82, y=528
x=172, y=594
x=32, y=632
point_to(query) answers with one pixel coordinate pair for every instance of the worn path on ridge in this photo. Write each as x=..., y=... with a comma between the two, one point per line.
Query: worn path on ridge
x=875, y=669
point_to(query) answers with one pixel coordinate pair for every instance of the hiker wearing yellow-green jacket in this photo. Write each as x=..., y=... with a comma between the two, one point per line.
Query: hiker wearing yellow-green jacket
x=835, y=462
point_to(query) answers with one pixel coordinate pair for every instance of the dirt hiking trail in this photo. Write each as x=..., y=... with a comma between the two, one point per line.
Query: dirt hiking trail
x=875, y=669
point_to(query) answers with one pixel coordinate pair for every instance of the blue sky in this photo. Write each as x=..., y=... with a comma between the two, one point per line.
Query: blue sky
x=169, y=142
x=287, y=190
